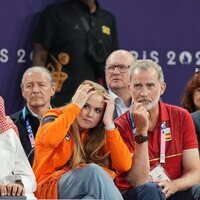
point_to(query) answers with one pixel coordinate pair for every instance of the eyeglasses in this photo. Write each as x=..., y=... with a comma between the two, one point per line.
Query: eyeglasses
x=121, y=68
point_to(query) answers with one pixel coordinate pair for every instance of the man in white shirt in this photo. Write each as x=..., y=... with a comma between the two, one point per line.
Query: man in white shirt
x=16, y=175
x=116, y=76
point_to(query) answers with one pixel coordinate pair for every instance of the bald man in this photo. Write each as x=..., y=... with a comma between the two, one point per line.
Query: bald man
x=116, y=76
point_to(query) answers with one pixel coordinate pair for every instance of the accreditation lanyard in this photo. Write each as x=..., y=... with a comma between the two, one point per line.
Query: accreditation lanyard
x=162, y=138
x=28, y=128
x=162, y=142
x=132, y=123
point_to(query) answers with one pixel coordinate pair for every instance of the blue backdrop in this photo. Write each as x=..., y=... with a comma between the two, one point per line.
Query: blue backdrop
x=165, y=31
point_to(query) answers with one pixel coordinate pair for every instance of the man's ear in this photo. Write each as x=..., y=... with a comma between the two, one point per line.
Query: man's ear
x=22, y=92
x=129, y=87
x=53, y=89
x=163, y=88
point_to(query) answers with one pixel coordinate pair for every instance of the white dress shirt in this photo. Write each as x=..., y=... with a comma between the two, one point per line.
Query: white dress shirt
x=14, y=163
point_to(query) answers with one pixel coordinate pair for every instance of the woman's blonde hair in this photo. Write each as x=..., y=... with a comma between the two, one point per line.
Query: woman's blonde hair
x=91, y=149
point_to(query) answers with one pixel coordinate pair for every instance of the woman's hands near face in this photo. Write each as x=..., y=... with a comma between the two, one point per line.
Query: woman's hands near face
x=82, y=94
x=109, y=110
x=85, y=91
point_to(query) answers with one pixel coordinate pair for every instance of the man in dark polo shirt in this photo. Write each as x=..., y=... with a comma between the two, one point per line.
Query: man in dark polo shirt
x=37, y=89
x=61, y=44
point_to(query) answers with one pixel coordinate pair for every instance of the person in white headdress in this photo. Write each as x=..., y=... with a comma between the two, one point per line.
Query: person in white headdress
x=16, y=175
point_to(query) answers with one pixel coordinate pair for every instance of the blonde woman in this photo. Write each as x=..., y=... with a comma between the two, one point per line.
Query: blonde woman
x=78, y=148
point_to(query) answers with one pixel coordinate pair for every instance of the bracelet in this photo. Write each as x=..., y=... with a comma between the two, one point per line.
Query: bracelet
x=110, y=127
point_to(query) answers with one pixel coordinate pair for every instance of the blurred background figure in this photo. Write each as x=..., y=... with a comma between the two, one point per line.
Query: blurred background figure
x=37, y=87
x=117, y=79
x=196, y=119
x=191, y=96
x=191, y=100
x=61, y=43
x=16, y=175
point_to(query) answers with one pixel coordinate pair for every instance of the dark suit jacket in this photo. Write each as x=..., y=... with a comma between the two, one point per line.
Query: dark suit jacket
x=20, y=122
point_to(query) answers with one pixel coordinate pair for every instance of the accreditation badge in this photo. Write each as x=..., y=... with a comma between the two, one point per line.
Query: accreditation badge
x=158, y=173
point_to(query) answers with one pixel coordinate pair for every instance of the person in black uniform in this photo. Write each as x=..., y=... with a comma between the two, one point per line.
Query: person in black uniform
x=37, y=89
x=61, y=44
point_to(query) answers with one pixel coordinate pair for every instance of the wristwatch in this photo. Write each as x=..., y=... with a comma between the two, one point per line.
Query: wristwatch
x=139, y=139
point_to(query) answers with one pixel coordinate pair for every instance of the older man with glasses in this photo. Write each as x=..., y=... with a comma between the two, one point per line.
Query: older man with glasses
x=116, y=76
